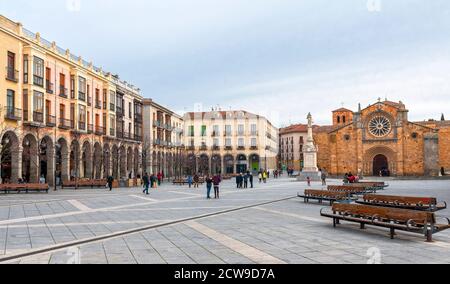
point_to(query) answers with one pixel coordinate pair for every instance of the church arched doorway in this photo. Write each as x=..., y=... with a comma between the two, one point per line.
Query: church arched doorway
x=381, y=166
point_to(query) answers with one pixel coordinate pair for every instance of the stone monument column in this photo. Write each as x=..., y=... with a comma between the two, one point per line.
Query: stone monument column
x=310, y=168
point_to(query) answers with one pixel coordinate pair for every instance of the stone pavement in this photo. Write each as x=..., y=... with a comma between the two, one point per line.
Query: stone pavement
x=283, y=232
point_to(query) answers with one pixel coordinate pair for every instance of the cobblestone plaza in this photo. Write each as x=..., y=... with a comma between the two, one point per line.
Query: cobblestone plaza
x=238, y=230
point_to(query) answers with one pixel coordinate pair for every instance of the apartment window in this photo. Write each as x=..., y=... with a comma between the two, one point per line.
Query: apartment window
x=191, y=143
x=62, y=111
x=216, y=130
x=82, y=117
x=203, y=134
x=38, y=71
x=11, y=68
x=25, y=69
x=228, y=130
x=10, y=104
x=48, y=83
x=112, y=101
x=97, y=98
x=301, y=140
x=72, y=87
x=215, y=142
x=129, y=110
x=228, y=142
x=62, y=85
x=241, y=142
x=112, y=121
x=38, y=102
x=240, y=129
x=253, y=142
x=191, y=131
x=253, y=129
x=81, y=88
x=105, y=95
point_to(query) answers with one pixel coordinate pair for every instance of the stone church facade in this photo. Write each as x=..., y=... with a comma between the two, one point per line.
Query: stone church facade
x=380, y=138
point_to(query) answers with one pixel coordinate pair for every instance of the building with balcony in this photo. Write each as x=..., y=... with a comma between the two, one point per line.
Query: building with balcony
x=162, y=145
x=59, y=114
x=229, y=142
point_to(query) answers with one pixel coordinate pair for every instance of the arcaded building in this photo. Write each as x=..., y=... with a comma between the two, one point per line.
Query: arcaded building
x=61, y=117
x=229, y=142
x=381, y=138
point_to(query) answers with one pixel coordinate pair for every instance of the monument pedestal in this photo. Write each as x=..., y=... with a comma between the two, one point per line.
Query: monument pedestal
x=314, y=176
x=310, y=156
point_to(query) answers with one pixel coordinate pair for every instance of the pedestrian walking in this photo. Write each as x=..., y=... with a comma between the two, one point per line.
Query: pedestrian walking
x=146, y=182
x=159, y=177
x=323, y=176
x=110, y=181
x=265, y=177
x=260, y=176
x=216, y=182
x=245, y=178
x=209, y=184
x=250, y=177
x=308, y=180
x=196, y=180
x=238, y=181
x=189, y=180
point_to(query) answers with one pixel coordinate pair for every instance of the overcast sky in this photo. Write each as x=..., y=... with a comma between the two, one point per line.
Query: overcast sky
x=279, y=58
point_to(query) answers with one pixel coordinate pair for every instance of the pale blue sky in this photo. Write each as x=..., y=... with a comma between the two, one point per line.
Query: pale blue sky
x=279, y=58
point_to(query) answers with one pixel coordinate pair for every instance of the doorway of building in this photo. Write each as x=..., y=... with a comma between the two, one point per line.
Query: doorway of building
x=381, y=166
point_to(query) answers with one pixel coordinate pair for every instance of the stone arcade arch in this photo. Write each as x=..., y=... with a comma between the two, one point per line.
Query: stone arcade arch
x=228, y=163
x=241, y=164
x=216, y=164
x=46, y=156
x=123, y=162
x=86, y=161
x=9, y=157
x=106, y=161
x=255, y=163
x=191, y=164
x=115, y=162
x=203, y=165
x=130, y=168
x=154, y=163
x=97, y=161
x=137, y=164
x=62, y=161
x=30, y=161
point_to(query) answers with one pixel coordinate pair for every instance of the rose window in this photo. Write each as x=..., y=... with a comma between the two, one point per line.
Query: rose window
x=380, y=126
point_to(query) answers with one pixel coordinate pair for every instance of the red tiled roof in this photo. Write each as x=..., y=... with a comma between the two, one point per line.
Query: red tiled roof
x=294, y=128
x=343, y=109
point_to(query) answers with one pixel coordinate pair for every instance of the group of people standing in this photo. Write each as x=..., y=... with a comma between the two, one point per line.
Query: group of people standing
x=243, y=180
x=152, y=181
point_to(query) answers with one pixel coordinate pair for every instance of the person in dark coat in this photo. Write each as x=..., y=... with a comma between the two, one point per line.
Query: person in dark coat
x=238, y=181
x=245, y=178
x=146, y=182
x=216, y=182
x=110, y=181
x=250, y=178
x=209, y=184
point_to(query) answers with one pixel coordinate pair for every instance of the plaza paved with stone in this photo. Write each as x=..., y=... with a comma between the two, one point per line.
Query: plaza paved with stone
x=287, y=231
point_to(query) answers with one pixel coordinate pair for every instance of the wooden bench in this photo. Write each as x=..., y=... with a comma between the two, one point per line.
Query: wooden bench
x=351, y=189
x=324, y=195
x=180, y=181
x=30, y=187
x=413, y=221
x=403, y=202
x=370, y=184
x=84, y=183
